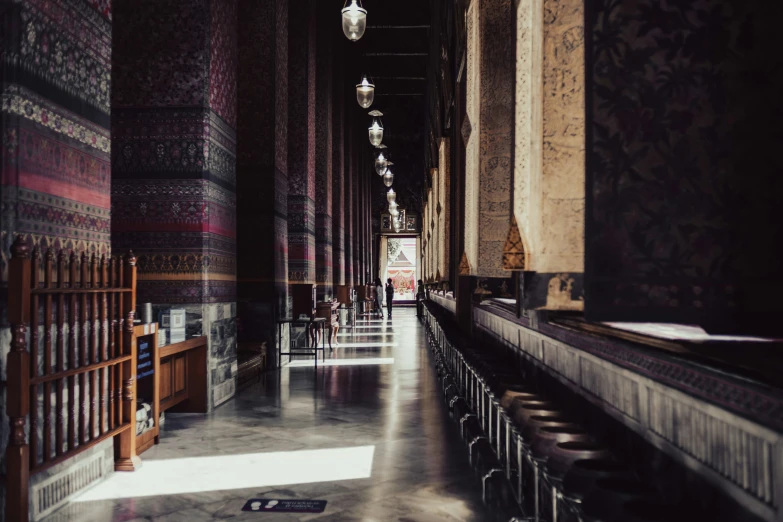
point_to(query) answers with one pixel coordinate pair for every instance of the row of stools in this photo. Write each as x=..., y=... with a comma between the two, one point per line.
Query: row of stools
x=536, y=460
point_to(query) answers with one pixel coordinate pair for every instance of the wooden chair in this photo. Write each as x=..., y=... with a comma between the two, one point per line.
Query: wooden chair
x=329, y=312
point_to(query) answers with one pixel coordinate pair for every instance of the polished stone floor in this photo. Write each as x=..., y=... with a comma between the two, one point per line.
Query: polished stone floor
x=367, y=432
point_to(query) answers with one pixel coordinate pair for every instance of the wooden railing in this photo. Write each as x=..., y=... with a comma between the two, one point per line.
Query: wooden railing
x=80, y=314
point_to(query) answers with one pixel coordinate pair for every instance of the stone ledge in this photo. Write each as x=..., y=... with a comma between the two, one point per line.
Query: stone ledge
x=740, y=456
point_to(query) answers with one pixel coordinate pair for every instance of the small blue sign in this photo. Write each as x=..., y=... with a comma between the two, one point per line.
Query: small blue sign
x=268, y=505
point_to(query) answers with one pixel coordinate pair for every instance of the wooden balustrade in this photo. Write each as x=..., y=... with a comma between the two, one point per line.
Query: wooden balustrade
x=89, y=369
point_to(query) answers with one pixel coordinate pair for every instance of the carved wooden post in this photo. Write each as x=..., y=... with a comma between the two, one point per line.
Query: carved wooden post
x=125, y=442
x=18, y=384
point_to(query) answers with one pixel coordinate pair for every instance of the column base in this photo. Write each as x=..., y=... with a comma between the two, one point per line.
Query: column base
x=131, y=464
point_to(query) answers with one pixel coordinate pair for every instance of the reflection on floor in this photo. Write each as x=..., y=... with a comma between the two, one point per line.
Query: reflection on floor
x=367, y=432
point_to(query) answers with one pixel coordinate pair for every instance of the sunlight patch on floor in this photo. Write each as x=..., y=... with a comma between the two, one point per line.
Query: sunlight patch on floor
x=228, y=472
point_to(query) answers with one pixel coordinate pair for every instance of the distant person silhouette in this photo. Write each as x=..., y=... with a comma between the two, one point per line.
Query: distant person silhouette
x=379, y=296
x=420, y=297
x=389, y=296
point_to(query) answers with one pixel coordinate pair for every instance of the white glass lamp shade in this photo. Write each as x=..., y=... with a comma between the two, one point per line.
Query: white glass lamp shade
x=391, y=196
x=393, y=208
x=388, y=178
x=354, y=21
x=365, y=93
x=376, y=132
x=381, y=164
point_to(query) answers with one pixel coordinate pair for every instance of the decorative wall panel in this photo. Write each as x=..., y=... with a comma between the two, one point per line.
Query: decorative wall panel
x=470, y=135
x=434, y=200
x=549, y=153
x=677, y=231
x=444, y=207
x=489, y=130
x=55, y=183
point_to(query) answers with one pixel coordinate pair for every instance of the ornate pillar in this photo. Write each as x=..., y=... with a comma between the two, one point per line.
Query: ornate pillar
x=323, y=160
x=488, y=130
x=338, y=176
x=355, y=212
x=546, y=238
x=435, y=179
x=301, y=145
x=444, y=207
x=349, y=207
x=262, y=169
x=174, y=164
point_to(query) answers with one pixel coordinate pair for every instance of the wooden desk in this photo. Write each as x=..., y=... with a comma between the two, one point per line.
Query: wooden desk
x=147, y=385
x=178, y=381
x=183, y=376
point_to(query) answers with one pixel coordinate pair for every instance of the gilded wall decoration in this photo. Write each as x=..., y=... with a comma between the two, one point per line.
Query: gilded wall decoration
x=514, y=251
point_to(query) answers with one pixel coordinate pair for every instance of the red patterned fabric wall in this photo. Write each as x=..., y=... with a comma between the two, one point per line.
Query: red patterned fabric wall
x=55, y=181
x=174, y=148
x=174, y=164
x=323, y=158
x=262, y=168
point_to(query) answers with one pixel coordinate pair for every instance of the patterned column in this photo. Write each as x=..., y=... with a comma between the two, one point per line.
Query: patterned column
x=436, y=239
x=174, y=164
x=262, y=169
x=301, y=145
x=546, y=237
x=55, y=175
x=338, y=177
x=366, y=217
x=488, y=131
x=356, y=234
x=323, y=160
x=349, y=208
x=444, y=207
x=55, y=182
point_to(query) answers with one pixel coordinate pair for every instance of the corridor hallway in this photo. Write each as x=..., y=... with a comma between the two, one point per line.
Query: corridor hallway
x=368, y=432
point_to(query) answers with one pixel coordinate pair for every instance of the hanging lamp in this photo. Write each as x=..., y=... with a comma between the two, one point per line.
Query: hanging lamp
x=381, y=164
x=354, y=20
x=365, y=92
x=376, y=132
x=391, y=195
x=388, y=178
